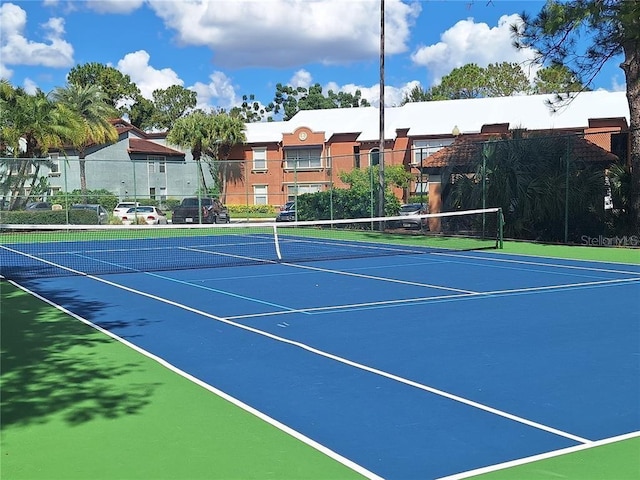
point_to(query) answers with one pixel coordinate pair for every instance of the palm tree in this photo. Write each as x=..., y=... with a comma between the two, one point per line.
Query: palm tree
x=191, y=132
x=226, y=132
x=31, y=126
x=211, y=138
x=91, y=106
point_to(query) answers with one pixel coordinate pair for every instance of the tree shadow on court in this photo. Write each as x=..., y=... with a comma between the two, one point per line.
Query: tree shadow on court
x=53, y=364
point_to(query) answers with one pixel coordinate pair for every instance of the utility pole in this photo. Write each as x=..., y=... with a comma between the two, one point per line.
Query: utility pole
x=381, y=155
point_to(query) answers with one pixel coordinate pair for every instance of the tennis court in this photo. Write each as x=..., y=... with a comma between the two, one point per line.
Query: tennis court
x=397, y=360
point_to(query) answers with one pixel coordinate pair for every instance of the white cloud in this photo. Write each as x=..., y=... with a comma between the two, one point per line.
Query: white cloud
x=288, y=33
x=114, y=6
x=301, y=78
x=16, y=49
x=5, y=72
x=146, y=77
x=392, y=95
x=219, y=92
x=30, y=86
x=470, y=42
x=616, y=85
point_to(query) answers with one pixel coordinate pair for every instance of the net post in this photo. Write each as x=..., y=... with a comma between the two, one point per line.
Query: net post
x=500, y=229
x=277, y=242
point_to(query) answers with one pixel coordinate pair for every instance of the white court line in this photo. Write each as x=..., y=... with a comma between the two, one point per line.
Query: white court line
x=331, y=356
x=542, y=456
x=374, y=277
x=384, y=303
x=238, y=403
x=539, y=264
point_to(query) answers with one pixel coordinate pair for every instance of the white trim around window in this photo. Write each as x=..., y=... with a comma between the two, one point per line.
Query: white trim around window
x=260, y=195
x=259, y=159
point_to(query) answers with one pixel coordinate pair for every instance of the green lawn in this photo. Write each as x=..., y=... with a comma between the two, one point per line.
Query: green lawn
x=77, y=404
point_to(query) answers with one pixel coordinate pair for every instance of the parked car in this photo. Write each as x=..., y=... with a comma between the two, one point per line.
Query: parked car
x=151, y=215
x=103, y=216
x=410, y=209
x=287, y=213
x=122, y=208
x=38, y=206
x=212, y=211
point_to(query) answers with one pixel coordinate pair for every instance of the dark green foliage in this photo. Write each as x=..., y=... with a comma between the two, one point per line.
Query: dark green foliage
x=343, y=203
x=49, y=217
x=290, y=100
x=251, y=210
x=103, y=197
x=528, y=178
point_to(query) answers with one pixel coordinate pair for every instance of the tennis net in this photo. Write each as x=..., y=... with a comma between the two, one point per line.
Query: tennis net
x=31, y=251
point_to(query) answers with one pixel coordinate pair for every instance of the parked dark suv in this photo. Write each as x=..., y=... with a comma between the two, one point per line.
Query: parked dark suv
x=288, y=213
x=101, y=213
x=38, y=206
x=192, y=209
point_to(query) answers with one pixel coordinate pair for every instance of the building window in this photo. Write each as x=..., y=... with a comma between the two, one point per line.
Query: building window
x=374, y=157
x=55, y=164
x=425, y=148
x=299, y=189
x=260, y=195
x=152, y=193
x=303, y=158
x=356, y=156
x=162, y=167
x=260, y=159
x=152, y=167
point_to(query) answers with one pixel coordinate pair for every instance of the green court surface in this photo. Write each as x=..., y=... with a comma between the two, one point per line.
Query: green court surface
x=77, y=404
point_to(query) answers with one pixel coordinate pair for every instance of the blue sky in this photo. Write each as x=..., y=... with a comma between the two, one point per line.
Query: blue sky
x=223, y=49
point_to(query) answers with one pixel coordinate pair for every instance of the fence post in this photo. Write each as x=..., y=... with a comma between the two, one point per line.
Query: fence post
x=566, y=191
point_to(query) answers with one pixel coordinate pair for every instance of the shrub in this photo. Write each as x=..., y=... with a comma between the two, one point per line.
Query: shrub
x=103, y=197
x=49, y=217
x=251, y=210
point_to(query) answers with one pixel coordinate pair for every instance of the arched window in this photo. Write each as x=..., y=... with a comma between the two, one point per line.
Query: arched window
x=374, y=156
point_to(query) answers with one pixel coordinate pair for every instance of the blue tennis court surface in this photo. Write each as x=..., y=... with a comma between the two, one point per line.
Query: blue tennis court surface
x=411, y=366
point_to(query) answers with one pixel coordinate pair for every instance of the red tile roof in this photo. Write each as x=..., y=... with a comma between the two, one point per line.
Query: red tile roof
x=139, y=145
x=466, y=149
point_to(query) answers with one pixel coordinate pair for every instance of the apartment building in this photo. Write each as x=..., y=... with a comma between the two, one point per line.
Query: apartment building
x=308, y=152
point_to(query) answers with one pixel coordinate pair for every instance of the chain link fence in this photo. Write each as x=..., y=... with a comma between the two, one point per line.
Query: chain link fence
x=556, y=186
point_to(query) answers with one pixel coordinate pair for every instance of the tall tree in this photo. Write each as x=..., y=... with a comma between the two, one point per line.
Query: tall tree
x=612, y=28
x=211, y=137
x=31, y=126
x=290, y=100
x=120, y=91
x=467, y=81
x=505, y=79
x=191, y=132
x=90, y=104
x=417, y=94
x=170, y=104
x=473, y=81
x=250, y=110
x=557, y=79
x=141, y=113
x=225, y=132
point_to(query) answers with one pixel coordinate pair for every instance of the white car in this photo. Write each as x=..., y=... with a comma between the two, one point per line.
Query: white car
x=410, y=209
x=151, y=215
x=122, y=208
